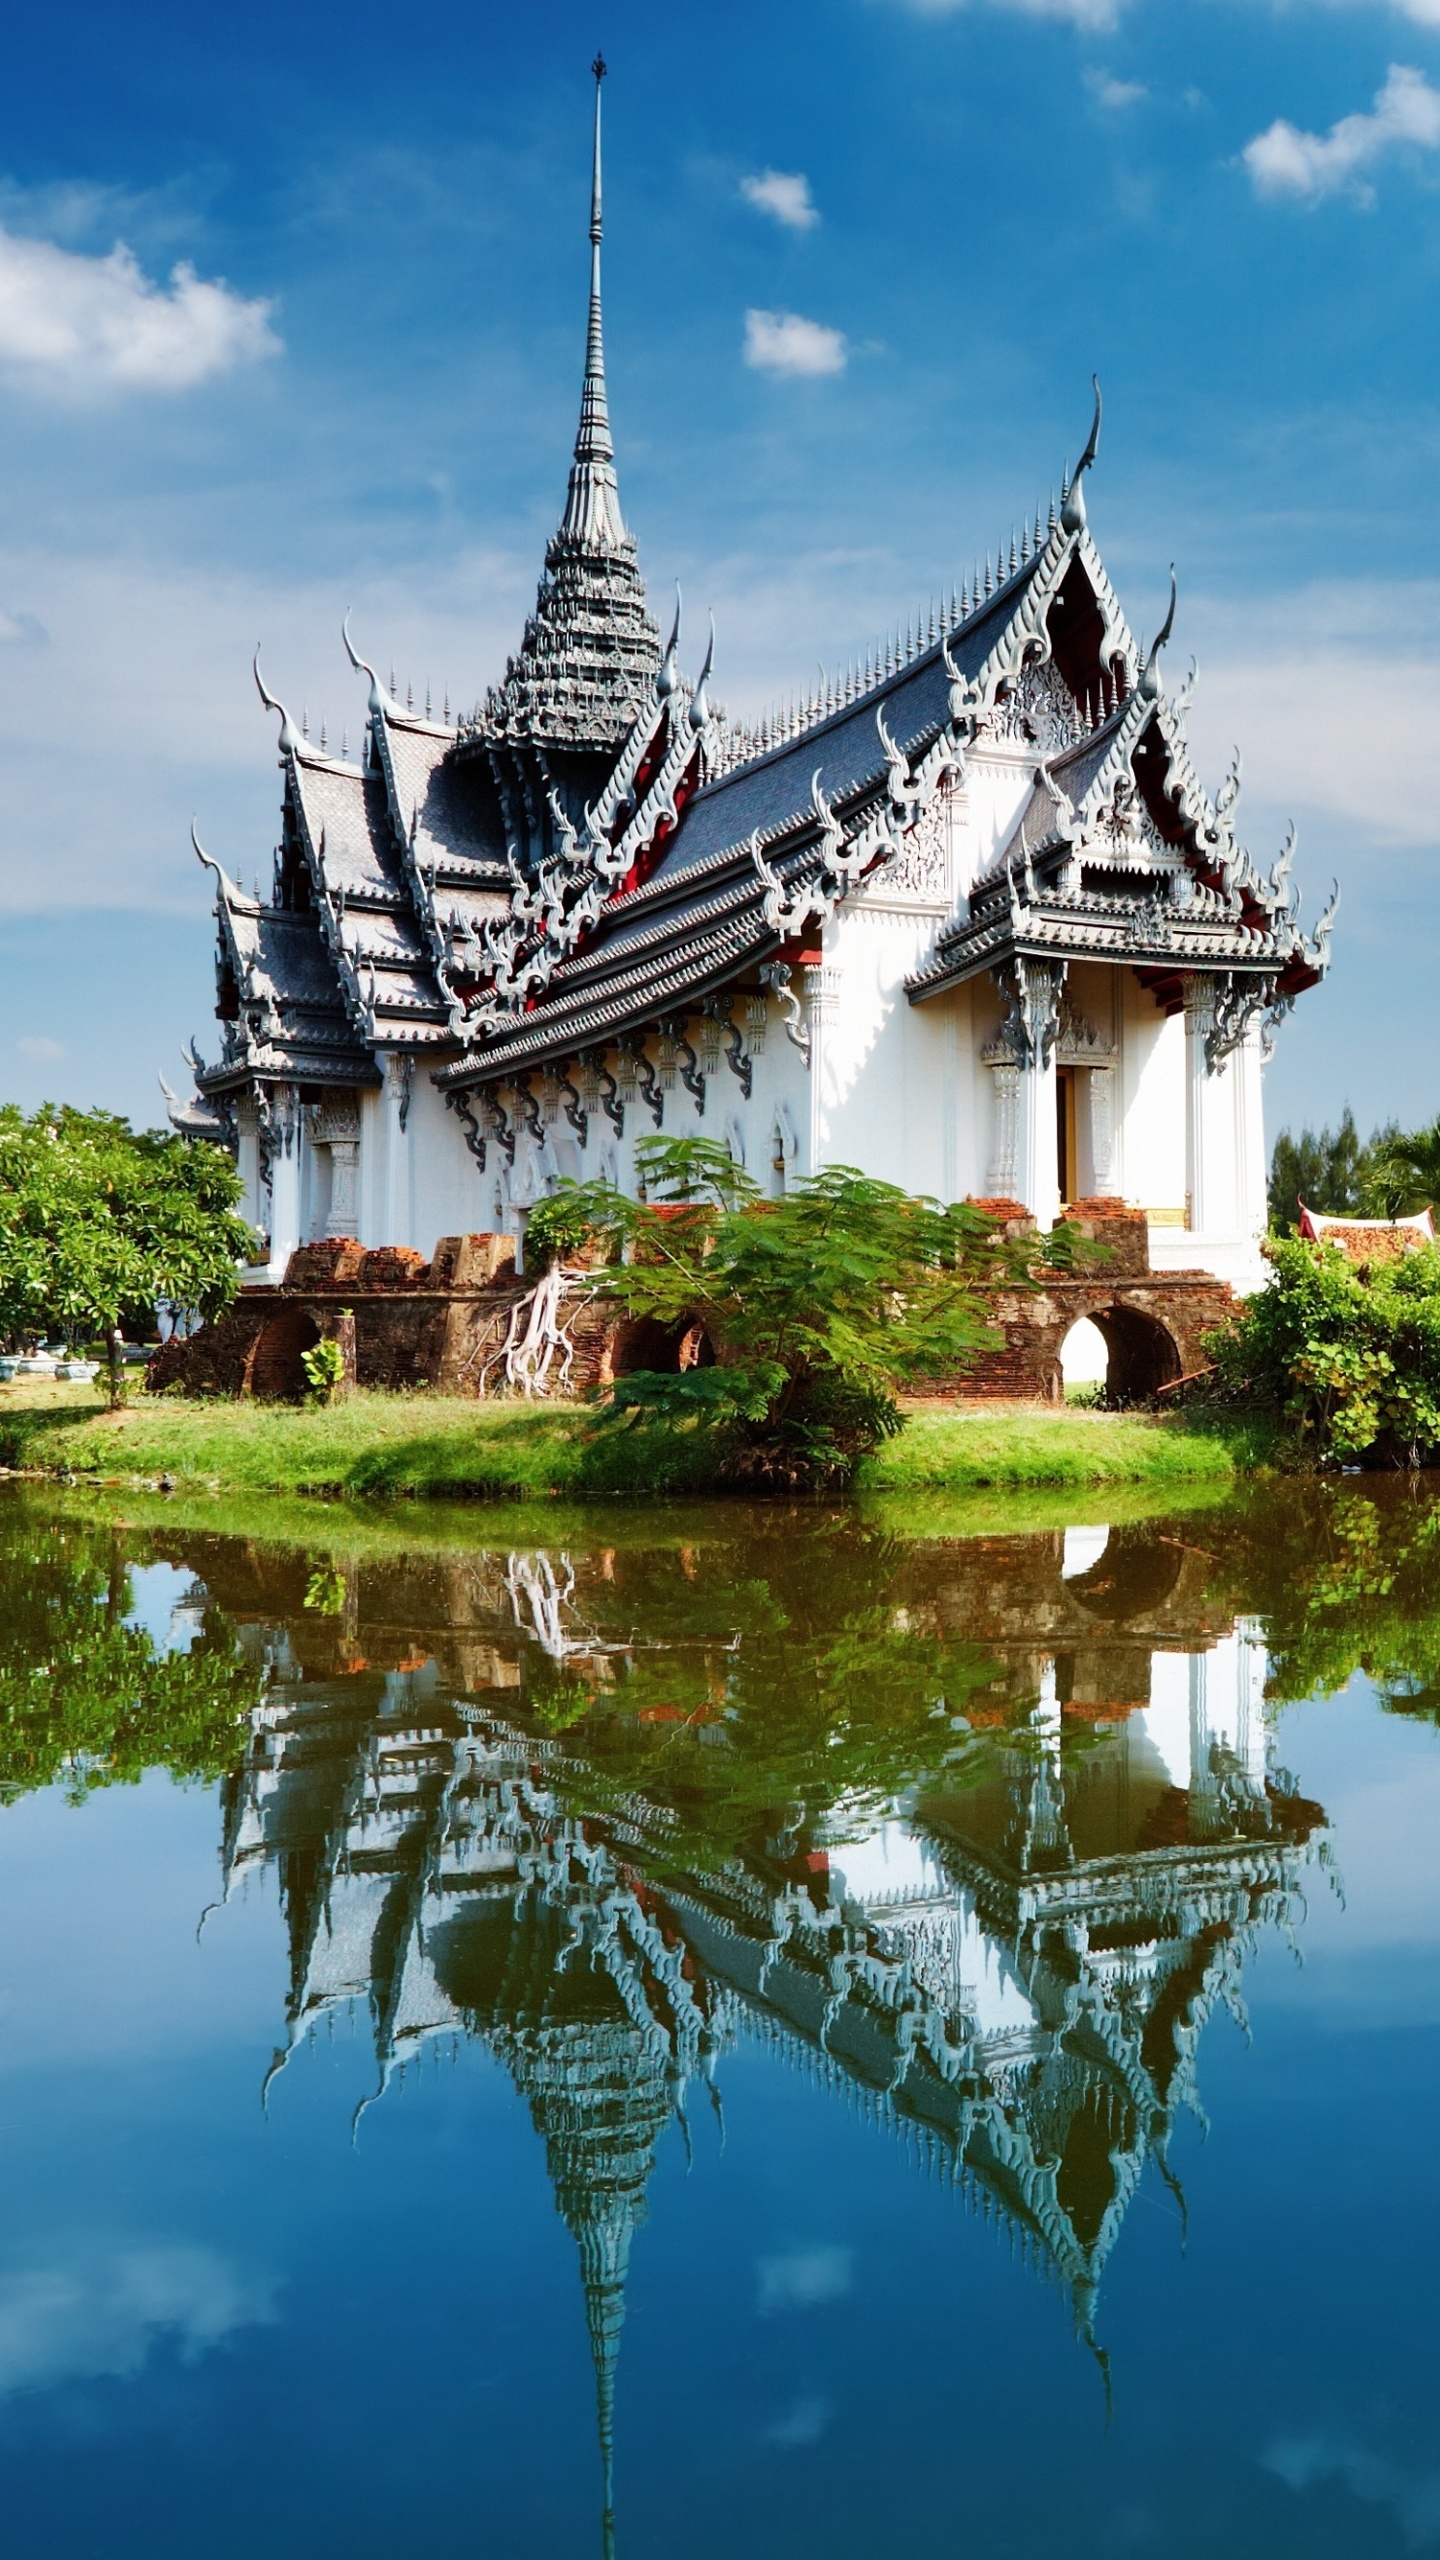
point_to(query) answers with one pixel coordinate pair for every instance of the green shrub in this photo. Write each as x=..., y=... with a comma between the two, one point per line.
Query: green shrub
x=1349, y=1358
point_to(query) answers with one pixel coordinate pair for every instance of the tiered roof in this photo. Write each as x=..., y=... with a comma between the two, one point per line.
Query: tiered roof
x=596, y=853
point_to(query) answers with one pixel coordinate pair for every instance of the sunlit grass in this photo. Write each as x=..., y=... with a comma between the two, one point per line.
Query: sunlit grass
x=372, y=1444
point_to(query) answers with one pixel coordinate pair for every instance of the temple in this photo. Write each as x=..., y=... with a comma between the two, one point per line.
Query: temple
x=965, y=917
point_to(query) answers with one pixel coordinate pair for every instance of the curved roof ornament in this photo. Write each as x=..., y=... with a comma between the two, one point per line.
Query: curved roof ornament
x=289, y=740
x=1148, y=680
x=665, y=682
x=380, y=701
x=1072, y=510
x=700, y=700
x=223, y=882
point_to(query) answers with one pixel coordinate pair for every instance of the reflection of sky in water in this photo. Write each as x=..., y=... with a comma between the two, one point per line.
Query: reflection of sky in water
x=162, y=1605
x=218, y=2323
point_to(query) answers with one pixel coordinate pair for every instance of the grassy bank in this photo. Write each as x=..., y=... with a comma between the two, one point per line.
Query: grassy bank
x=422, y=1445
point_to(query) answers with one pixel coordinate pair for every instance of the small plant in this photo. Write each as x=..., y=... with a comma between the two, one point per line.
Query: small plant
x=325, y=1593
x=557, y=1228
x=324, y=1368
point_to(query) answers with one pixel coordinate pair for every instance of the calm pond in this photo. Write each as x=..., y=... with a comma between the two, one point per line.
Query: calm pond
x=716, y=2031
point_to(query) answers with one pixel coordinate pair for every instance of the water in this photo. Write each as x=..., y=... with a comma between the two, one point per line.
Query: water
x=720, y=2031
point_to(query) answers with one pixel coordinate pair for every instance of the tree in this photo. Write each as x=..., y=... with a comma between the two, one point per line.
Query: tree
x=1404, y=1171
x=1327, y=1169
x=98, y=1221
x=817, y=1306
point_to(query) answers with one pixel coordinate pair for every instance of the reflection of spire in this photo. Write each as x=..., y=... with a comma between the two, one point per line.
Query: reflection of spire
x=599, y=2084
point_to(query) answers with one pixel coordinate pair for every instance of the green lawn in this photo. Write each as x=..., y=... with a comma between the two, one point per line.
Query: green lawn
x=372, y=1444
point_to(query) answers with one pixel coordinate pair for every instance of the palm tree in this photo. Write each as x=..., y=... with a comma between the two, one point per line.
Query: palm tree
x=1404, y=1172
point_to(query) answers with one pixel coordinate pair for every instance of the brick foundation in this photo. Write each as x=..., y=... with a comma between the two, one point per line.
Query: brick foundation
x=403, y=1322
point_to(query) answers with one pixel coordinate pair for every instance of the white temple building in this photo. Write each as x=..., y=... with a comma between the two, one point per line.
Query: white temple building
x=966, y=919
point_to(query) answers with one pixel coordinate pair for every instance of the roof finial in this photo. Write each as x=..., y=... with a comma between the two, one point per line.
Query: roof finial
x=288, y=742
x=665, y=681
x=380, y=700
x=1148, y=680
x=1072, y=513
x=592, y=509
x=700, y=700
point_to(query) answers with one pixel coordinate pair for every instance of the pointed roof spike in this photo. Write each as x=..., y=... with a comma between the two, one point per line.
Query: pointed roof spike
x=666, y=679
x=428, y=713
x=322, y=735
x=989, y=581
x=592, y=507
x=287, y=740
x=305, y=720
x=1072, y=512
x=1052, y=521
x=1148, y=680
x=1014, y=554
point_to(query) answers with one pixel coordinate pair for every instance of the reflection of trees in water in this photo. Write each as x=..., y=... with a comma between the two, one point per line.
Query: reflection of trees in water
x=87, y=1699
x=977, y=1888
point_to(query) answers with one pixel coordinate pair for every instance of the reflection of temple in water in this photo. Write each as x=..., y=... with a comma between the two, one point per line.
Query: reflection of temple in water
x=1012, y=1967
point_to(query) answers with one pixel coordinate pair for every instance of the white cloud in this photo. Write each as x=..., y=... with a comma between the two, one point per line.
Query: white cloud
x=804, y=2423
x=1413, y=2497
x=36, y=1046
x=83, y=325
x=781, y=342
x=1290, y=674
x=104, y=2315
x=142, y=710
x=805, y=2279
x=1093, y=17
x=21, y=631
x=787, y=199
x=1287, y=676
x=1108, y=92
x=1283, y=161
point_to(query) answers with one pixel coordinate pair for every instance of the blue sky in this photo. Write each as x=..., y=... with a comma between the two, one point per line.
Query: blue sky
x=360, y=391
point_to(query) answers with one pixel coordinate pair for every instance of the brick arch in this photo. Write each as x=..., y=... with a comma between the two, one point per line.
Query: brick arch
x=1144, y=1355
x=645, y=1344
x=274, y=1367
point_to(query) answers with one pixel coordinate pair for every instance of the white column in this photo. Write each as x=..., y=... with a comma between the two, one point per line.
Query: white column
x=1209, y=1119
x=399, y=1097
x=284, y=1139
x=1251, y=1167
x=1030, y=991
x=822, y=989
x=1003, y=1171
x=1037, y=1149
x=1104, y=1152
x=255, y=1203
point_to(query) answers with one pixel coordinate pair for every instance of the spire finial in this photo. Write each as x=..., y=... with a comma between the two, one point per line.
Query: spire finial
x=592, y=511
